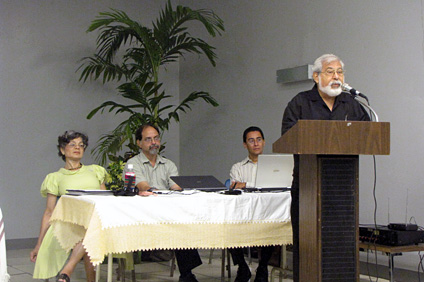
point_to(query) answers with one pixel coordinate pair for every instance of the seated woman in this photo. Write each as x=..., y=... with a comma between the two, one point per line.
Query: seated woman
x=48, y=256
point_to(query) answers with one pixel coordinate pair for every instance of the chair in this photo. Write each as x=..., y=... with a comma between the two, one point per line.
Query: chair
x=126, y=262
x=4, y=276
x=228, y=183
x=283, y=268
x=224, y=266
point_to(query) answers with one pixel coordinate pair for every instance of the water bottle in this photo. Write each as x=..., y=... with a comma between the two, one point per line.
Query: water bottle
x=129, y=182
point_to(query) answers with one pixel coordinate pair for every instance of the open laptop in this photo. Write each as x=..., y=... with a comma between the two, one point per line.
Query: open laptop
x=274, y=172
x=207, y=183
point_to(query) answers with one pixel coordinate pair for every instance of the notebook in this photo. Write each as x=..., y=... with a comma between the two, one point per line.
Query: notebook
x=207, y=183
x=274, y=172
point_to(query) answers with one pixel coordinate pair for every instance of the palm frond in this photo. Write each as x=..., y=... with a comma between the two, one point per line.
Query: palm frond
x=108, y=144
x=185, y=105
x=113, y=105
x=94, y=67
x=170, y=32
x=113, y=142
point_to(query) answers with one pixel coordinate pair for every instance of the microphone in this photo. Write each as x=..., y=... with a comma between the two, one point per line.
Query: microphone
x=353, y=91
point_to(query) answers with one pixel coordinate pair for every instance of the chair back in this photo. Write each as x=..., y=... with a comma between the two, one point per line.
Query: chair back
x=4, y=277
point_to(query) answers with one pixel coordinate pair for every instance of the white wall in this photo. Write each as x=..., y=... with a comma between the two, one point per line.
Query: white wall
x=41, y=43
x=381, y=43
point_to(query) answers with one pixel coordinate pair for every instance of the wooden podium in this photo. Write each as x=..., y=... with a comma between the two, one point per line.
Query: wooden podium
x=328, y=190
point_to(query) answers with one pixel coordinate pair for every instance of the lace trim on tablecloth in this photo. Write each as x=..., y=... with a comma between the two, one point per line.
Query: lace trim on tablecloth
x=98, y=243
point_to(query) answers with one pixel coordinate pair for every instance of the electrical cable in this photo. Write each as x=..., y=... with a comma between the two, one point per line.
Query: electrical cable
x=371, y=239
x=375, y=213
x=420, y=266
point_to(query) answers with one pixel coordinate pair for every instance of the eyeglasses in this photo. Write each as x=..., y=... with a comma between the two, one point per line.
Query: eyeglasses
x=252, y=141
x=73, y=145
x=331, y=72
x=150, y=139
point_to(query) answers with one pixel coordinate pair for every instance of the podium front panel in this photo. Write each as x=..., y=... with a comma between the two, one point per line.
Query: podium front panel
x=328, y=218
x=338, y=221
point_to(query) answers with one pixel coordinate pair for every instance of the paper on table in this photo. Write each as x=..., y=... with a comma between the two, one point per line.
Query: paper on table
x=74, y=192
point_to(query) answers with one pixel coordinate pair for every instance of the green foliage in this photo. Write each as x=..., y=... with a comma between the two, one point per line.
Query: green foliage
x=137, y=69
x=114, y=179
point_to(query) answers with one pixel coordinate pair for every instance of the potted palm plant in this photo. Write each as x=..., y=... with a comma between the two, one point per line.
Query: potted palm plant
x=133, y=56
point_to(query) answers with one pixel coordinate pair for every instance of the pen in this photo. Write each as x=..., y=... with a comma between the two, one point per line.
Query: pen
x=234, y=186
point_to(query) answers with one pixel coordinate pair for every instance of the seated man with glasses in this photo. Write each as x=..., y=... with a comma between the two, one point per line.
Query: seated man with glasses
x=152, y=172
x=243, y=175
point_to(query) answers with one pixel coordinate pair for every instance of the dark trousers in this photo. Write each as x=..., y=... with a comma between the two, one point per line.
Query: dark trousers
x=238, y=255
x=294, y=212
x=187, y=260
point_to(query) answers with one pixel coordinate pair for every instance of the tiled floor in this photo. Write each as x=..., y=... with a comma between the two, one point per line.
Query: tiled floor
x=20, y=269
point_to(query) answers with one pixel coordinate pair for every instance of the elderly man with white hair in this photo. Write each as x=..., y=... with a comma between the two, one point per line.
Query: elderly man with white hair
x=325, y=101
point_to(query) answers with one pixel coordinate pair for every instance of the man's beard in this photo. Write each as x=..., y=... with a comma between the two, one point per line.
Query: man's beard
x=330, y=91
x=154, y=149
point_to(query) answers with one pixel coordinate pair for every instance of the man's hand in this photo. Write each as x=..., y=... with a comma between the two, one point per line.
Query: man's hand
x=238, y=185
x=145, y=193
x=175, y=187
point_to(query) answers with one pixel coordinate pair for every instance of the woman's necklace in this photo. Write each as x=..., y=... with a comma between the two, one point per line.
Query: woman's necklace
x=75, y=168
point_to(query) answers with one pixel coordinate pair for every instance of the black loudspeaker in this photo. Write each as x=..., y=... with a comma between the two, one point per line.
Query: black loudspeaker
x=338, y=226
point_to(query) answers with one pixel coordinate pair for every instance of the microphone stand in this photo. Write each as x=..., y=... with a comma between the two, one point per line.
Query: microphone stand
x=368, y=107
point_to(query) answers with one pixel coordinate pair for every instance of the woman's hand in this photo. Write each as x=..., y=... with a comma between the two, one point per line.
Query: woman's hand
x=34, y=253
x=51, y=203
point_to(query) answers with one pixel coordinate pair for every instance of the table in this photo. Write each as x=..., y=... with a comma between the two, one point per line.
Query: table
x=110, y=225
x=391, y=251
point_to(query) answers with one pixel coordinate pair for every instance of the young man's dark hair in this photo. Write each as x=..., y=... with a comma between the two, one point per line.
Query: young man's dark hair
x=250, y=129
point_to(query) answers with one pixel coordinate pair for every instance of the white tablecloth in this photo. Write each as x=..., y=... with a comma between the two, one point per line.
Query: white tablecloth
x=109, y=224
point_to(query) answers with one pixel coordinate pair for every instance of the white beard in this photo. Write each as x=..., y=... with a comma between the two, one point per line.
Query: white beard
x=330, y=91
x=154, y=150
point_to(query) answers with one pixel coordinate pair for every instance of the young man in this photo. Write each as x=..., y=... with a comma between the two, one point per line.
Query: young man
x=243, y=176
x=153, y=172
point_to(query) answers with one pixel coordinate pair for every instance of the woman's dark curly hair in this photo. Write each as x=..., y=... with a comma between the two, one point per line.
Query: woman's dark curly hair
x=67, y=137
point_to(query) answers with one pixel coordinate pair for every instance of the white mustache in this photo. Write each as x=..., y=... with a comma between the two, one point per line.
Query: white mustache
x=336, y=82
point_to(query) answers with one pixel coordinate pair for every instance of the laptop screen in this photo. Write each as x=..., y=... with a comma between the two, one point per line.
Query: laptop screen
x=274, y=171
